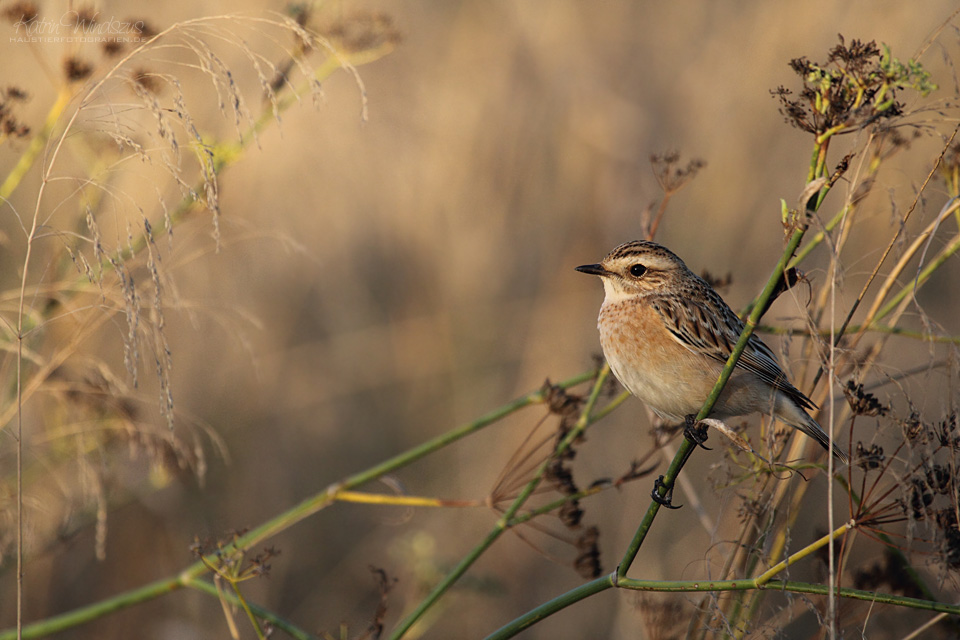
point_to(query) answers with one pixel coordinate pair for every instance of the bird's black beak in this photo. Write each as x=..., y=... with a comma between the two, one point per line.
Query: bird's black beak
x=593, y=269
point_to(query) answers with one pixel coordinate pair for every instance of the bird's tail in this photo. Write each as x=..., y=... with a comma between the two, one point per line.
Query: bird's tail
x=794, y=415
x=812, y=428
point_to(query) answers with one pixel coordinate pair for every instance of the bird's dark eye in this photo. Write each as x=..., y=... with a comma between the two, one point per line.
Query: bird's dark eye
x=637, y=270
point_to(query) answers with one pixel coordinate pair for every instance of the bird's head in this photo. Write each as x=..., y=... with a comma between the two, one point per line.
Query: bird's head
x=635, y=269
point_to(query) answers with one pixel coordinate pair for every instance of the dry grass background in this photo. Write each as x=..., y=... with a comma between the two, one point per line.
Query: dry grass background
x=411, y=272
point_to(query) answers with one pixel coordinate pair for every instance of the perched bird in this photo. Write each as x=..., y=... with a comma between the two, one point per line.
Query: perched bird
x=667, y=334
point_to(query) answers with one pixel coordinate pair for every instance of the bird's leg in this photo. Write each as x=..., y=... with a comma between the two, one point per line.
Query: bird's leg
x=667, y=499
x=695, y=432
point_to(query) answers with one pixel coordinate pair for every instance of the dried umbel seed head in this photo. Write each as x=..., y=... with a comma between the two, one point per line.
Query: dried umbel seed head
x=561, y=478
x=587, y=563
x=670, y=174
x=946, y=432
x=939, y=479
x=559, y=400
x=946, y=521
x=146, y=81
x=870, y=458
x=919, y=500
x=21, y=12
x=9, y=124
x=112, y=47
x=571, y=514
x=861, y=402
x=76, y=69
x=363, y=31
x=913, y=427
x=858, y=85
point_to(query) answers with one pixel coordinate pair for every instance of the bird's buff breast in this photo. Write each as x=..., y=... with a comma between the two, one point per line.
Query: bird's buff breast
x=650, y=363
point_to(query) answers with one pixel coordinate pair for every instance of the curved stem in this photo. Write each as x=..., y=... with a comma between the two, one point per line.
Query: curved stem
x=547, y=609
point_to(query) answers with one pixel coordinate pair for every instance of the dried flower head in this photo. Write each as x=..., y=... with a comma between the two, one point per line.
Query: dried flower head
x=859, y=84
x=570, y=514
x=9, y=124
x=561, y=478
x=587, y=562
x=146, y=80
x=861, y=402
x=112, y=47
x=362, y=31
x=22, y=12
x=946, y=433
x=913, y=427
x=669, y=173
x=560, y=401
x=870, y=458
x=76, y=69
x=946, y=521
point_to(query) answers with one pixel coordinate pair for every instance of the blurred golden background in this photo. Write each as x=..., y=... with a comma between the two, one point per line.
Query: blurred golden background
x=381, y=281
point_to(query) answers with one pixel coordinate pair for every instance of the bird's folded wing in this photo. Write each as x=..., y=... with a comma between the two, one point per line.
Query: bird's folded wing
x=711, y=328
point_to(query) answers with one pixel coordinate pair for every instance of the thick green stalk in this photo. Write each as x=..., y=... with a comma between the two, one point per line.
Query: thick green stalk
x=559, y=603
x=791, y=586
x=88, y=614
x=694, y=586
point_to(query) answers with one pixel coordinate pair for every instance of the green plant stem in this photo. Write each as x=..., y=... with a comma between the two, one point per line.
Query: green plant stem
x=693, y=586
x=281, y=522
x=818, y=237
x=683, y=453
x=503, y=523
x=789, y=585
x=559, y=603
x=137, y=596
x=92, y=612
